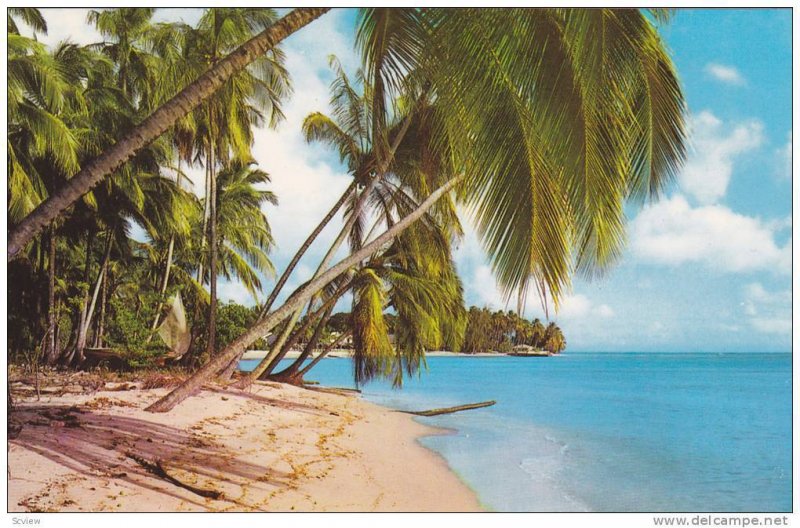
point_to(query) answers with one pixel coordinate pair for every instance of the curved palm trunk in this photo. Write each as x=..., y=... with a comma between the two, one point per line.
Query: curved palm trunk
x=164, y=283
x=156, y=124
x=204, y=231
x=168, y=268
x=204, y=373
x=300, y=252
x=261, y=368
x=228, y=371
x=83, y=332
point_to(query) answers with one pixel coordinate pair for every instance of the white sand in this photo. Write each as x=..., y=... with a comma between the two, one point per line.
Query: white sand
x=272, y=448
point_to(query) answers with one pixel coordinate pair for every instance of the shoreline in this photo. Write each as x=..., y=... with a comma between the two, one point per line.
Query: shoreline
x=273, y=447
x=346, y=353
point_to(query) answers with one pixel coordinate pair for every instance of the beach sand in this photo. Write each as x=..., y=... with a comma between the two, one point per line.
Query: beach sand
x=271, y=448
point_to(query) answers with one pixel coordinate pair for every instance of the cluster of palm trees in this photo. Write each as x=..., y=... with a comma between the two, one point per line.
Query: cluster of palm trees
x=541, y=123
x=68, y=104
x=500, y=331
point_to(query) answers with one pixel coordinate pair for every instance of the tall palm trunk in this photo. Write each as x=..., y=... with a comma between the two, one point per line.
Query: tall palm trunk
x=228, y=371
x=83, y=332
x=300, y=252
x=326, y=260
x=101, y=320
x=70, y=353
x=156, y=124
x=51, y=353
x=164, y=283
x=204, y=232
x=212, y=265
x=167, y=268
x=204, y=373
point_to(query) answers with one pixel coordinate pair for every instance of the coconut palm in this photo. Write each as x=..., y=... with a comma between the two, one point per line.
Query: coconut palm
x=225, y=122
x=32, y=18
x=158, y=123
x=245, y=238
x=552, y=131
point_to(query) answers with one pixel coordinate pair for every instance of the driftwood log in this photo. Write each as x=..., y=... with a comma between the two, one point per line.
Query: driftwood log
x=450, y=410
x=158, y=470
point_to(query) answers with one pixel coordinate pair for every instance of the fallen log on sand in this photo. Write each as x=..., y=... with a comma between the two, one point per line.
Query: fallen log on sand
x=450, y=410
x=158, y=470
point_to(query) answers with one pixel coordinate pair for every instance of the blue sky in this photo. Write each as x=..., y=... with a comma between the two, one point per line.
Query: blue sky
x=708, y=268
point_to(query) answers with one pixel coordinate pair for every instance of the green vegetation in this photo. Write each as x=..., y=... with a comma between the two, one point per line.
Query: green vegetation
x=544, y=138
x=489, y=331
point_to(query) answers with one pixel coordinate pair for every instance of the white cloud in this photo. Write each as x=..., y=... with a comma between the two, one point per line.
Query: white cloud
x=784, y=159
x=672, y=232
x=769, y=312
x=68, y=24
x=715, y=147
x=579, y=306
x=234, y=291
x=726, y=74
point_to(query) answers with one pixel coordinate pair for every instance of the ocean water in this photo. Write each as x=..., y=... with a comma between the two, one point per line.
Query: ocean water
x=622, y=432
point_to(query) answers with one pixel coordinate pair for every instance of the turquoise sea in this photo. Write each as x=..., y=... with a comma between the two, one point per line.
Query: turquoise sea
x=622, y=432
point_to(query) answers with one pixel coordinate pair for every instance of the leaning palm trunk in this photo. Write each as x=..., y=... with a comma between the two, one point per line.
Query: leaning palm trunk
x=196, y=381
x=300, y=252
x=167, y=269
x=289, y=372
x=261, y=368
x=212, y=266
x=156, y=124
x=323, y=265
x=322, y=355
x=228, y=371
x=322, y=313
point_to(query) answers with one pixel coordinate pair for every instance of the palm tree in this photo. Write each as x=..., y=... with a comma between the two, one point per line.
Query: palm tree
x=156, y=124
x=547, y=159
x=245, y=237
x=32, y=17
x=545, y=163
x=250, y=97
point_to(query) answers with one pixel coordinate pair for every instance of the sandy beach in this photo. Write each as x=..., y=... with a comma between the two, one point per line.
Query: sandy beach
x=270, y=448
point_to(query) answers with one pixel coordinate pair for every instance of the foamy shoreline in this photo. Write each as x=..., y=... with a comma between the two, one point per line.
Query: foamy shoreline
x=271, y=448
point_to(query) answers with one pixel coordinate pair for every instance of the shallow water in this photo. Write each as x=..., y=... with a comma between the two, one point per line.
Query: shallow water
x=607, y=431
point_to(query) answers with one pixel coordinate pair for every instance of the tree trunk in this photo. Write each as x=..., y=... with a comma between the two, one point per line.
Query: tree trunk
x=51, y=353
x=156, y=124
x=323, y=311
x=382, y=169
x=292, y=369
x=170, y=250
x=164, y=283
x=300, y=252
x=101, y=320
x=204, y=232
x=204, y=373
x=87, y=323
x=78, y=329
x=228, y=371
x=322, y=354
x=211, y=348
